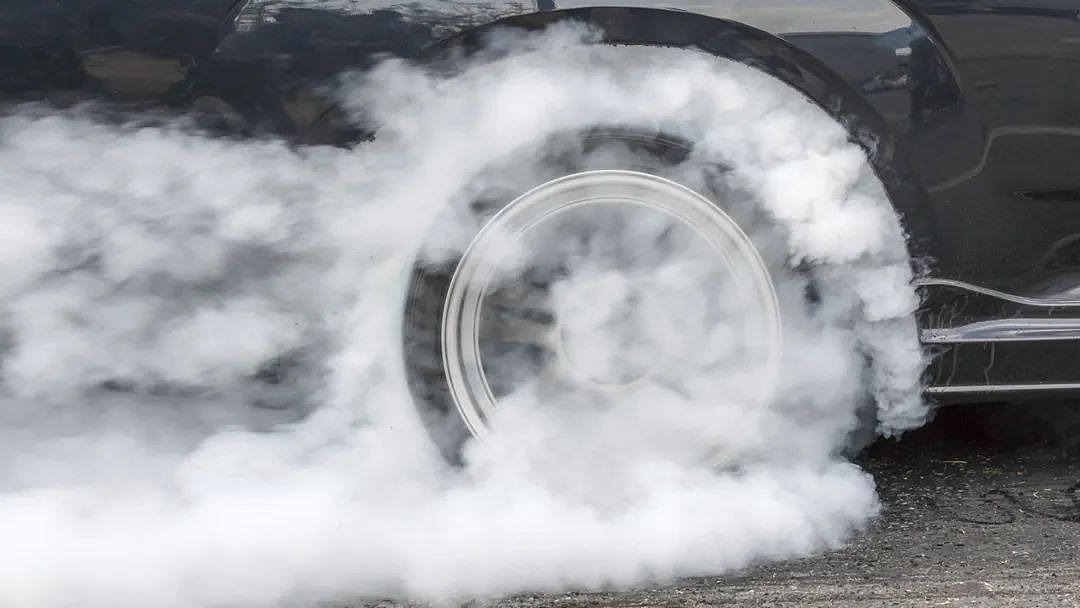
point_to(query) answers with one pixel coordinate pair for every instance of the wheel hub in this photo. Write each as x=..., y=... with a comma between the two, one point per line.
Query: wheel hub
x=615, y=345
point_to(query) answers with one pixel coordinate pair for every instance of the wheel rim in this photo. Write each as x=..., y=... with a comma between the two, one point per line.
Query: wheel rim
x=504, y=258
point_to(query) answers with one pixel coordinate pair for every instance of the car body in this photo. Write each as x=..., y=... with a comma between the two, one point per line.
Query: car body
x=970, y=110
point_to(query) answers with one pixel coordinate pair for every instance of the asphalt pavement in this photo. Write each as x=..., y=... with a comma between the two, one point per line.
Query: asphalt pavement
x=981, y=508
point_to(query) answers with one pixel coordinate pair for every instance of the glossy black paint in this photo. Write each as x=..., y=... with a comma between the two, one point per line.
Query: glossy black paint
x=970, y=108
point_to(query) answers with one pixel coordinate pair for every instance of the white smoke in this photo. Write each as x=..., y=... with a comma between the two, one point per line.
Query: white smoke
x=152, y=280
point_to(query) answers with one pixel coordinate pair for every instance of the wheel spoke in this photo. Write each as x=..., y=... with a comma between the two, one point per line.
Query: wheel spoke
x=516, y=328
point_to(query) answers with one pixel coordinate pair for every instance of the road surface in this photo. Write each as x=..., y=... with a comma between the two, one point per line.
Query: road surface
x=982, y=508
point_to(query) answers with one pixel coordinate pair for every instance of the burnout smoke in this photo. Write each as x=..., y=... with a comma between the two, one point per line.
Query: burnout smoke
x=203, y=401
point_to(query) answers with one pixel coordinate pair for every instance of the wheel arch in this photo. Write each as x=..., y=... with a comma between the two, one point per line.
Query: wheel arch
x=763, y=51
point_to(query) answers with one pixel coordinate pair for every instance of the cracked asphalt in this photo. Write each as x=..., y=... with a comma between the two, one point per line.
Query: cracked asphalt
x=981, y=508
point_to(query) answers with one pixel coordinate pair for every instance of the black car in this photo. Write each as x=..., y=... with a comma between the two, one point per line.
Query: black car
x=969, y=111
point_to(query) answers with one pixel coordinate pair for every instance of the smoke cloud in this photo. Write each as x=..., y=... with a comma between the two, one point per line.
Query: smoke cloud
x=202, y=395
